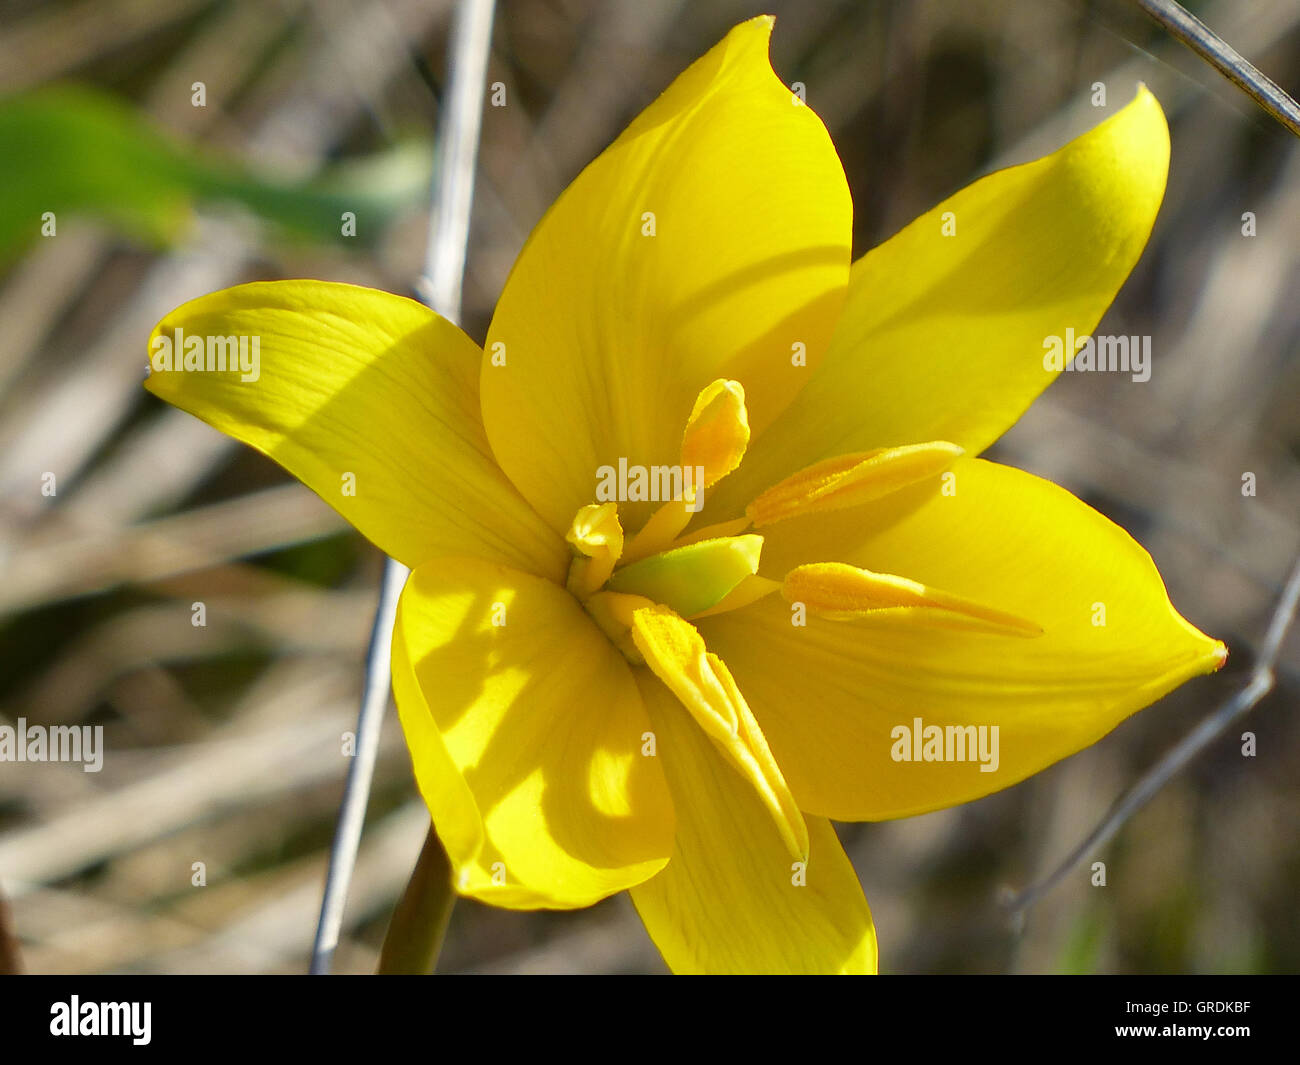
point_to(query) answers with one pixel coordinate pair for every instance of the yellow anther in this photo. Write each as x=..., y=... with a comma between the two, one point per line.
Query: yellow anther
x=848, y=480
x=840, y=592
x=675, y=652
x=713, y=445
x=717, y=431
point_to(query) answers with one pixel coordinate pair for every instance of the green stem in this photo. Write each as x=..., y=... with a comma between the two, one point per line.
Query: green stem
x=414, y=937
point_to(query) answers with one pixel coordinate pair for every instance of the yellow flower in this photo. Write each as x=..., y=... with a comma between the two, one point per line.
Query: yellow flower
x=674, y=695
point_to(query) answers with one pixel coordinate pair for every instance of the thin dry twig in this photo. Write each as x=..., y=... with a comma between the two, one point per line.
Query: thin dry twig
x=1207, y=44
x=440, y=287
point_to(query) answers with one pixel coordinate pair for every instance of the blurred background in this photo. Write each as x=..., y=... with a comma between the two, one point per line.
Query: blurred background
x=224, y=741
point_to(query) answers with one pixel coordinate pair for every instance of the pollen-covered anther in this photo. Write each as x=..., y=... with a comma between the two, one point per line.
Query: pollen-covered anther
x=848, y=480
x=674, y=650
x=717, y=432
x=840, y=592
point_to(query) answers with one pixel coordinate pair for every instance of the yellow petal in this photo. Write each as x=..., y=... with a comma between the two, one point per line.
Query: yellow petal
x=673, y=650
x=526, y=733
x=942, y=337
x=829, y=694
x=711, y=238
x=371, y=400
x=729, y=900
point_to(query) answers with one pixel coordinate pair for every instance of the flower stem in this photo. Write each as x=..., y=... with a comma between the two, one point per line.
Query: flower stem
x=414, y=937
x=10, y=960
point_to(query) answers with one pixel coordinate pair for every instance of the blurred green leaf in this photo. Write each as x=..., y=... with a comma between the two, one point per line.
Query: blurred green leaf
x=71, y=149
x=1081, y=954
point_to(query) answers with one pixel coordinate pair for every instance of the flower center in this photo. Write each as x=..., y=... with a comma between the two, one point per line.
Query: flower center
x=715, y=569
x=709, y=571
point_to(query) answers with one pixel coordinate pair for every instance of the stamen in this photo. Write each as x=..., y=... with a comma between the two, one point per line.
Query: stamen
x=598, y=535
x=848, y=480
x=840, y=592
x=659, y=532
x=613, y=611
x=714, y=442
x=717, y=431
x=675, y=652
x=713, y=532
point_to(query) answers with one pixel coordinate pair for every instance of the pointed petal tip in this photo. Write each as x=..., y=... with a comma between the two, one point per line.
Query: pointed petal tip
x=1219, y=656
x=1211, y=655
x=755, y=33
x=1145, y=108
